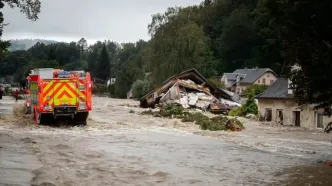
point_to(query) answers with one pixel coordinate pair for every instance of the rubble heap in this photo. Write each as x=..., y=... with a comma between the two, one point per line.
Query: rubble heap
x=191, y=90
x=189, y=94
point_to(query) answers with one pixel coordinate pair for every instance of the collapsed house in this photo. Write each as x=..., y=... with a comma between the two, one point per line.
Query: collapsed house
x=190, y=89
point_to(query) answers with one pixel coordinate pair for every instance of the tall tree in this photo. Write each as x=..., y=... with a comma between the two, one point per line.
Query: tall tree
x=306, y=34
x=269, y=46
x=104, y=65
x=237, y=41
x=178, y=43
x=82, y=44
x=92, y=56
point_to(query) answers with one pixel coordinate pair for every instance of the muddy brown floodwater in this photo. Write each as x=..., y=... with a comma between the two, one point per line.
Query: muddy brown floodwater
x=121, y=147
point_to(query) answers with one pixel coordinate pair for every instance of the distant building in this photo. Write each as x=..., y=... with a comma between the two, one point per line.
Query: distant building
x=113, y=79
x=241, y=79
x=277, y=105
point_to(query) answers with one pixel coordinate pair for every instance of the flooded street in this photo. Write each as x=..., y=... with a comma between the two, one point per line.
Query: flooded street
x=122, y=147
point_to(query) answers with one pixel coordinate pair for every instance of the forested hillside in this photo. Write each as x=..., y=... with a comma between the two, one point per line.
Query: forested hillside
x=214, y=37
x=25, y=44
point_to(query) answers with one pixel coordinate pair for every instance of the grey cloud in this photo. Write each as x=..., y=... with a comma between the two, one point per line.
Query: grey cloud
x=120, y=21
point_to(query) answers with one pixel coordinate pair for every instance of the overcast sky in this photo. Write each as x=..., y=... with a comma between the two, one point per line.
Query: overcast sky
x=66, y=20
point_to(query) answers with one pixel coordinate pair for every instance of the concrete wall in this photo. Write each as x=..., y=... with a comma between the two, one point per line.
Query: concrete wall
x=308, y=117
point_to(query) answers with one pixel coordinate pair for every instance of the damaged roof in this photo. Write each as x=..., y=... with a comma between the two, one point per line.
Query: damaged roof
x=279, y=90
x=194, y=76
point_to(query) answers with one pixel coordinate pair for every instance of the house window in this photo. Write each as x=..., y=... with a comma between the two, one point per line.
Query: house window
x=259, y=81
x=264, y=81
x=268, y=75
x=297, y=118
x=271, y=82
x=268, y=114
x=280, y=116
x=319, y=121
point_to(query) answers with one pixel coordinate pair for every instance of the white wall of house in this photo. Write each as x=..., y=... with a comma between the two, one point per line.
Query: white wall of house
x=266, y=79
x=309, y=118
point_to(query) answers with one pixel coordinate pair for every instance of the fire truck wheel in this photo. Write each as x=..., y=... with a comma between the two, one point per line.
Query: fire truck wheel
x=81, y=118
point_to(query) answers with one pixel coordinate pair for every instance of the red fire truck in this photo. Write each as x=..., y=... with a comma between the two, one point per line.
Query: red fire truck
x=55, y=93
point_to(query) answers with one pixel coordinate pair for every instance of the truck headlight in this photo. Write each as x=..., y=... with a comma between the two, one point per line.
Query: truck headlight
x=81, y=106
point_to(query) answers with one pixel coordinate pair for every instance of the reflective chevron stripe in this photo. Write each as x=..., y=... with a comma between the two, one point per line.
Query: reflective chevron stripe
x=58, y=92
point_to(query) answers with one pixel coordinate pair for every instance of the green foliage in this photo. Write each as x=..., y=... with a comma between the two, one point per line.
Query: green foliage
x=25, y=70
x=237, y=112
x=237, y=40
x=307, y=42
x=99, y=89
x=178, y=43
x=7, y=90
x=251, y=107
x=140, y=88
x=256, y=89
x=111, y=90
x=215, y=37
x=205, y=123
x=103, y=70
x=194, y=117
x=130, y=68
x=169, y=110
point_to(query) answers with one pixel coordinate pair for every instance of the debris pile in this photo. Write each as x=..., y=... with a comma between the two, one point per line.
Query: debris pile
x=175, y=110
x=189, y=94
x=191, y=90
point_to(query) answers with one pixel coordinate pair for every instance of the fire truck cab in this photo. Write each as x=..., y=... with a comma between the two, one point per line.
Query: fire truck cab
x=55, y=93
